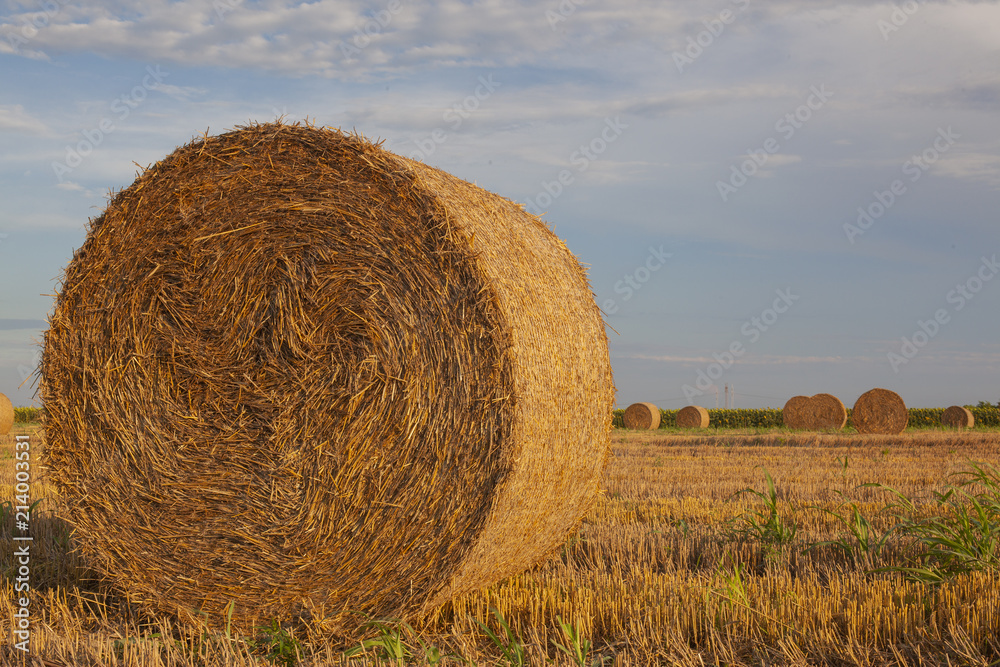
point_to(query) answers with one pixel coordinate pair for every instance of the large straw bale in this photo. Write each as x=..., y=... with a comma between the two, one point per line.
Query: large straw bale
x=958, y=417
x=642, y=416
x=293, y=371
x=880, y=411
x=692, y=416
x=814, y=413
x=6, y=414
x=826, y=412
x=795, y=413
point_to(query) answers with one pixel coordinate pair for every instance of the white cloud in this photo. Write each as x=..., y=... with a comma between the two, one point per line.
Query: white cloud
x=975, y=166
x=782, y=159
x=70, y=186
x=350, y=40
x=702, y=97
x=181, y=92
x=13, y=118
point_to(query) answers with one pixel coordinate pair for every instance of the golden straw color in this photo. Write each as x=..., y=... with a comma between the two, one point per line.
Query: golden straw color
x=293, y=372
x=692, y=416
x=880, y=411
x=814, y=413
x=6, y=414
x=826, y=412
x=794, y=414
x=642, y=415
x=958, y=417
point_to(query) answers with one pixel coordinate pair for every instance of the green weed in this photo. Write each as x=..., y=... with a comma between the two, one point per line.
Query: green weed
x=510, y=645
x=964, y=537
x=278, y=645
x=766, y=524
x=577, y=646
x=397, y=642
x=863, y=544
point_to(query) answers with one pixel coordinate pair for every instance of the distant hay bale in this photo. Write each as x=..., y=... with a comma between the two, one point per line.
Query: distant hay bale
x=294, y=372
x=6, y=414
x=814, y=413
x=880, y=411
x=958, y=417
x=826, y=412
x=692, y=416
x=642, y=415
x=794, y=414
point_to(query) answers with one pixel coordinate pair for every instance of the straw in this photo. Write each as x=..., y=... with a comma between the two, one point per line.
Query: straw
x=294, y=372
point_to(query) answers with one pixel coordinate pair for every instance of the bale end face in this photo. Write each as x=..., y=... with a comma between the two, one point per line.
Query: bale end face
x=692, y=416
x=794, y=414
x=958, y=417
x=642, y=416
x=826, y=412
x=814, y=413
x=880, y=411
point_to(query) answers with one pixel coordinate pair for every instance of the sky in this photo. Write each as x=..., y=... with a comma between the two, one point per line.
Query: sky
x=782, y=198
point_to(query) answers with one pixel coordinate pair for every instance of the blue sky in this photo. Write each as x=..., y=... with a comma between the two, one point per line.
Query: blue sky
x=706, y=160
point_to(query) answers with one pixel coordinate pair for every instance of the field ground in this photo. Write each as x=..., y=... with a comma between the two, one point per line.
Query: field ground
x=671, y=566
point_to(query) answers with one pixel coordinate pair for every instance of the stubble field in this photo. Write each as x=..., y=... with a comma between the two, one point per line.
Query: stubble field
x=673, y=565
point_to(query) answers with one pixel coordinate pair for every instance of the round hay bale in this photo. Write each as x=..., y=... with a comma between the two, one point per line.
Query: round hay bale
x=642, y=415
x=826, y=411
x=880, y=411
x=325, y=381
x=958, y=417
x=794, y=414
x=6, y=414
x=692, y=416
